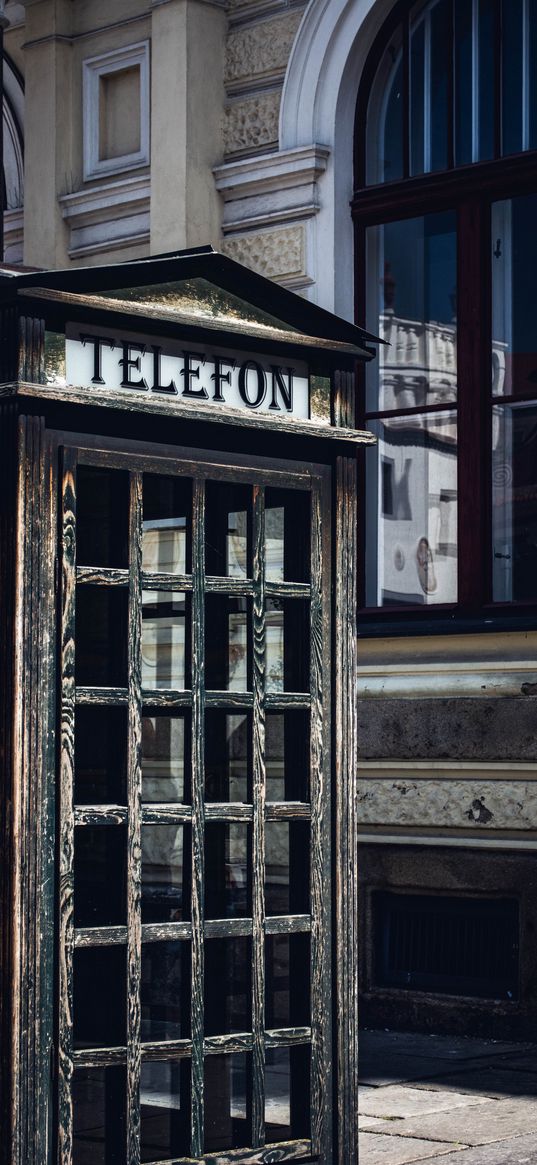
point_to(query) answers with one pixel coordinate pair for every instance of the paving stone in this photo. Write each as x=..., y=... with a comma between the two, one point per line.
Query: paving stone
x=377, y=1149
x=473, y=1125
x=400, y=1101
x=515, y=1151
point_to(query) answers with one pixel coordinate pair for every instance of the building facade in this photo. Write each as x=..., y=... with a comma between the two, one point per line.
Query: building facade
x=379, y=159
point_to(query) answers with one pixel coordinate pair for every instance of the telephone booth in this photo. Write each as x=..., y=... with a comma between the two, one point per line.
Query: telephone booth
x=179, y=886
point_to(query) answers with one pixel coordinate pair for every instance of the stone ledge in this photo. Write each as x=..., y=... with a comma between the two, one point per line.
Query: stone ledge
x=108, y=216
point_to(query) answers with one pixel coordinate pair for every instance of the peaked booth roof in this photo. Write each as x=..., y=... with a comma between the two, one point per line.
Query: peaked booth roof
x=199, y=287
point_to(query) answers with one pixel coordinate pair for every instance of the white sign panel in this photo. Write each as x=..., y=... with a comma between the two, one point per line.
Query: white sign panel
x=127, y=361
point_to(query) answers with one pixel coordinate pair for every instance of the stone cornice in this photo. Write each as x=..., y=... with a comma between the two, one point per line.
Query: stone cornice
x=269, y=173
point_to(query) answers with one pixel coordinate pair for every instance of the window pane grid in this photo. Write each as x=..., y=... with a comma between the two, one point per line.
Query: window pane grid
x=137, y=936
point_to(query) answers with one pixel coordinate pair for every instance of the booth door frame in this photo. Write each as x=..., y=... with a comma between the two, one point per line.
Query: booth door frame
x=259, y=474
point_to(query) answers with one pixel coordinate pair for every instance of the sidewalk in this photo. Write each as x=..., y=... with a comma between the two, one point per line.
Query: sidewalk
x=467, y=1101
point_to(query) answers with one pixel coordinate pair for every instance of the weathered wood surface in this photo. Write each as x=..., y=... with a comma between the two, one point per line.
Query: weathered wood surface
x=234, y=701
x=287, y=1037
x=258, y=846
x=287, y=924
x=159, y=581
x=280, y=701
x=107, y=697
x=134, y=826
x=321, y=994
x=287, y=811
x=100, y=814
x=236, y=1042
x=228, y=927
x=100, y=936
x=198, y=819
x=31, y=362
x=131, y=402
x=228, y=811
x=266, y=1155
x=155, y=814
x=235, y=468
x=66, y=839
x=102, y=576
x=346, y=851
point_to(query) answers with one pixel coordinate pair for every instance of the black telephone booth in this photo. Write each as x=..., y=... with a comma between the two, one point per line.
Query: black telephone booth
x=179, y=965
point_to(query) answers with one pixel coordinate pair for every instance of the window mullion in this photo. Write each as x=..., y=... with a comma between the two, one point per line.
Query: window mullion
x=473, y=364
x=134, y=835
x=258, y=856
x=198, y=815
x=67, y=820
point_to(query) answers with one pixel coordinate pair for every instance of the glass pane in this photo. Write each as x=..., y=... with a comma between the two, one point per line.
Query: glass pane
x=485, y=81
x=532, y=74
x=512, y=74
x=102, y=517
x=287, y=980
x=287, y=1093
x=385, y=116
x=165, y=992
x=287, y=867
x=227, y=643
x=198, y=297
x=287, y=535
x=227, y=891
x=227, y=1092
x=165, y=873
x=439, y=66
x=99, y=1116
x=463, y=82
x=166, y=756
x=165, y=639
x=99, y=867
x=228, y=763
x=228, y=530
x=417, y=96
x=99, y=997
x=167, y=524
x=100, y=755
x=164, y=1110
x=412, y=287
x=287, y=755
x=228, y=974
x=514, y=502
x=411, y=555
x=287, y=645
x=101, y=636
x=514, y=258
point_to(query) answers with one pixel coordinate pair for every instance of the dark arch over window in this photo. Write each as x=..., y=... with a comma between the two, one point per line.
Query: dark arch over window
x=448, y=83
x=445, y=208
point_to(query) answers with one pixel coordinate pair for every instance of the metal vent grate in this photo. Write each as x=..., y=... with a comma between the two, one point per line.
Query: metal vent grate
x=456, y=946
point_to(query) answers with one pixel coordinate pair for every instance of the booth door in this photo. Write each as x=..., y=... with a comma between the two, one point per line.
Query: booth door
x=195, y=874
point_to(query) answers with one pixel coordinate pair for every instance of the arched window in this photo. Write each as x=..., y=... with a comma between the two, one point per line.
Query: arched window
x=445, y=212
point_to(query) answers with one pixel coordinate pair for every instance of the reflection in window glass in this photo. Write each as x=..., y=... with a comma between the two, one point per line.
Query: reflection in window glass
x=165, y=626
x=165, y=755
x=287, y=645
x=165, y=873
x=287, y=1088
x=287, y=867
x=385, y=120
x=227, y=890
x=227, y=756
x=411, y=554
x=514, y=260
x=99, y=1116
x=287, y=755
x=287, y=535
x=102, y=517
x=514, y=502
x=228, y=512
x=412, y=281
x=227, y=633
x=287, y=980
x=227, y=1123
x=165, y=991
x=100, y=897
x=166, y=533
x=228, y=974
x=164, y=1110
x=101, y=629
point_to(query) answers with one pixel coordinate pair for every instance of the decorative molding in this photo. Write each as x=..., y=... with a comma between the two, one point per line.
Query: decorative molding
x=277, y=254
x=252, y=123
x=272, y=188
x=262, y=50
x=243, y=11
x=482, y=678
x=104, y=65
x=108, y=216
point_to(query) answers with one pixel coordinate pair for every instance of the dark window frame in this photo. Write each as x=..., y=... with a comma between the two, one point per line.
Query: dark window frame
x=469, y=190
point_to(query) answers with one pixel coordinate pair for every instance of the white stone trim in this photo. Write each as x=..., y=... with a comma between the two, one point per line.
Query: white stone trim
x=109, y=216
x=271, y=189
x=93, y=68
